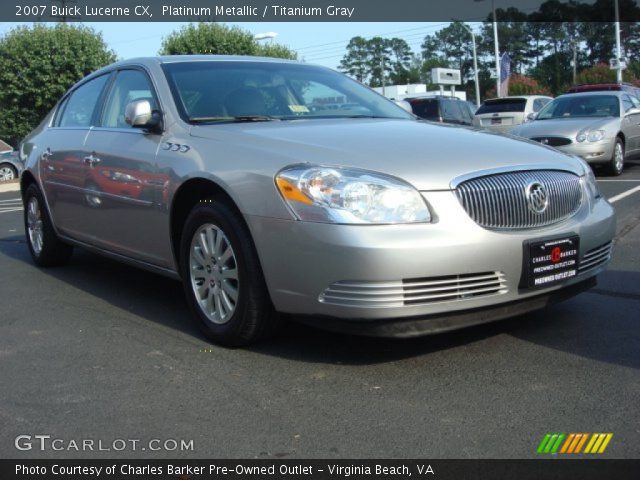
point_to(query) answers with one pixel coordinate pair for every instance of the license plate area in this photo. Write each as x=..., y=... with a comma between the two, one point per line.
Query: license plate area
x=550, y=262
x=496, y=121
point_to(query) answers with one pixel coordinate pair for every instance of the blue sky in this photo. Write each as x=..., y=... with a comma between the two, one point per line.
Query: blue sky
x=322, y=43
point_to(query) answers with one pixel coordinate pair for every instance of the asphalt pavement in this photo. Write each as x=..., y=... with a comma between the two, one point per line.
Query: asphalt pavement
x=103, y=351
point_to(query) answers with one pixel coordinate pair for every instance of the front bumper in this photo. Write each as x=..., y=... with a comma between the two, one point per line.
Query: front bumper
x=301, y=260
x=596, y=152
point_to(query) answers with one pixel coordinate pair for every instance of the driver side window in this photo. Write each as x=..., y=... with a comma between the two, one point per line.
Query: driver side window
x=129, y=85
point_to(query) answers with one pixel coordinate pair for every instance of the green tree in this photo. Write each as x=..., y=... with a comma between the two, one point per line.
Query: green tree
x=219, y=39
x=354, y=63
x=37, y=65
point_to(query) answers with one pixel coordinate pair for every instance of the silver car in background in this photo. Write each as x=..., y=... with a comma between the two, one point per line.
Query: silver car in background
x=228, y=173
x=10, y=166
x=600, y=127
x=502, y=114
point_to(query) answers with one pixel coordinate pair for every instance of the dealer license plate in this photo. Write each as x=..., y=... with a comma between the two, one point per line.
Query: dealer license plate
x=552, y=261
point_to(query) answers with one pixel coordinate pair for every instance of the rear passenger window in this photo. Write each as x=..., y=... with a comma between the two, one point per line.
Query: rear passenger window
x=81, y=106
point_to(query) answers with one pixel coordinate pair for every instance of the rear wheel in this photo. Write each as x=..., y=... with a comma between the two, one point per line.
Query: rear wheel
x=47, y=250
x=7, y=172
x=617, y=160
x=222, y=277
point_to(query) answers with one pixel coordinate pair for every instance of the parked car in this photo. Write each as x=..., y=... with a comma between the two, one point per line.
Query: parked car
x=10, y=166
x=371, y=223
x=602, y=127
x=502, y=114
x=438, y=108
x=597, y=87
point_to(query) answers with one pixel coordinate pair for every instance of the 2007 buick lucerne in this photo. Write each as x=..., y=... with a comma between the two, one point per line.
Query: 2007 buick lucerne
x=273, y=186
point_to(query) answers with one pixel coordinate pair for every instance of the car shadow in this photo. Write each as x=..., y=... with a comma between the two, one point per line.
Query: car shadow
x=581, y=326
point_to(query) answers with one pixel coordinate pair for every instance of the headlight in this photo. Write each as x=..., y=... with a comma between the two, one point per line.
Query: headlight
x=591, y=136
x=349, y=195
x=595, y=135
x=589, y=179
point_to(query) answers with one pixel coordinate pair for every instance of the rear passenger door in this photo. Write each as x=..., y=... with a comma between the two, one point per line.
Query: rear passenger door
x=122, y=180
x=62, y=165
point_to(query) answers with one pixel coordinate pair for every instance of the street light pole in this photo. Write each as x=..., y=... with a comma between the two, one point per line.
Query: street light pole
x=495, y=45
x=475, y=63
x=618, y=66
x=496, y=49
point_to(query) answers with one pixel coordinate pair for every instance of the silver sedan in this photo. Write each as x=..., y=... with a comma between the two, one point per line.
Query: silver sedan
x=237, y=176
x=10, y=166
x=601, y=127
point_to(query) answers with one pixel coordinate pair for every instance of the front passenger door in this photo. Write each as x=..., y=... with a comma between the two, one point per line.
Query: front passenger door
x=631, y=124
x=123, y=182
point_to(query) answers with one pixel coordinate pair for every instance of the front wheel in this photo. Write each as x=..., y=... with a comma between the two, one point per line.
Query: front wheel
x=7, y=173
x=617, y=159
x=222, y=277
x=46, y=249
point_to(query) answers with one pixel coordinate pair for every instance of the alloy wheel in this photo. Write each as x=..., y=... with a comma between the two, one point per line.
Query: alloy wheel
x=214, y=273
x=7, y=174
x=618, y=157
x=34, y=225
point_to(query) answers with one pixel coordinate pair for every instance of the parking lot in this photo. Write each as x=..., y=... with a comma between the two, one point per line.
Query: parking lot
x=99, y=350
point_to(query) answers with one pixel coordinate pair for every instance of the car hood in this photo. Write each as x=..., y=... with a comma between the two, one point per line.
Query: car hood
x=427, y=155
x=561, y=127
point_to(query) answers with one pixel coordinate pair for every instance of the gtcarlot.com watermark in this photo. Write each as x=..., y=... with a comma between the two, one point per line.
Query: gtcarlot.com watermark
x=44, y=443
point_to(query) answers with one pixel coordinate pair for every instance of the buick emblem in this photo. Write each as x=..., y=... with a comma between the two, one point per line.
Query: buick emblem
x=537, y=197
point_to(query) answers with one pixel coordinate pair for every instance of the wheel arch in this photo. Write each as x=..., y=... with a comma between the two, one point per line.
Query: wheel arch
x=186, y=197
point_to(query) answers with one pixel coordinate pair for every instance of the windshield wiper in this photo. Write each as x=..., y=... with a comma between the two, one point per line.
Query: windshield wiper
x=236, y=119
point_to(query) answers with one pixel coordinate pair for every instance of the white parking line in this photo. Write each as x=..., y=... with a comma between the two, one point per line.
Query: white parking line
x=12, y=200
x=7, y=210
x=625, y=180
x=622, y=195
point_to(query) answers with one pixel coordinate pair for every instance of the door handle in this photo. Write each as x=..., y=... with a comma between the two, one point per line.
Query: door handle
x=91, y=160
x=46, y=154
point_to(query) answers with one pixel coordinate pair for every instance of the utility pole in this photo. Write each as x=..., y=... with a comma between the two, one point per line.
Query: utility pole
x=574, y=63
x=382, y=75
x=496, y=48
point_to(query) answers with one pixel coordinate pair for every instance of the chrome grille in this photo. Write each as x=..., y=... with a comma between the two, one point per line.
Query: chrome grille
x=596, y=257
x=500, y=201
x=414, y=291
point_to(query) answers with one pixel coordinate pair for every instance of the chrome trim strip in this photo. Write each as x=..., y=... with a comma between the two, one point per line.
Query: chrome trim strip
x=515, y=168
x=121, y=198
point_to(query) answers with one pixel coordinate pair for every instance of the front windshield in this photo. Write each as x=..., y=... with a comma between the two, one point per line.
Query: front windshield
x=580, y=106
x=222, y=90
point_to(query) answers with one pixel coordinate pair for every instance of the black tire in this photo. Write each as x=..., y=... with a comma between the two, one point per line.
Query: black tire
x=616, y=165
x=254, y=317
x=12, y=169
x=52, y=251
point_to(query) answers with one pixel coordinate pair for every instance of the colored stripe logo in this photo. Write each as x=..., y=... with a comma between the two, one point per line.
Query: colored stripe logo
x=572, y=443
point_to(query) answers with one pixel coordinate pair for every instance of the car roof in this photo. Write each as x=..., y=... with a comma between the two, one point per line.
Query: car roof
x=616, y=93
x=150, y=61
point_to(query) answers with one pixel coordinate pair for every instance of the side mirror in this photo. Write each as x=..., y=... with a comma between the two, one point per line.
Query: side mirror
x=531, y=117
x=139, y=114
x=632, y=111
